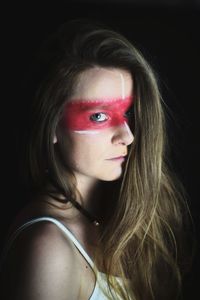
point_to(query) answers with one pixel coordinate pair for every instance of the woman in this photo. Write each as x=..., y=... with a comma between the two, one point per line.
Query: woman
x=105, y=214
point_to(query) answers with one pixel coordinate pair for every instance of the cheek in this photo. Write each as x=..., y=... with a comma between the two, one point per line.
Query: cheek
x=81, y=146
x=89, y=145
x=90, y=139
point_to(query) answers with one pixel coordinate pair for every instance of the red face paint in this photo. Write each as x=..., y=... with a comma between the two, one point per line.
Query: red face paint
x=96, y=115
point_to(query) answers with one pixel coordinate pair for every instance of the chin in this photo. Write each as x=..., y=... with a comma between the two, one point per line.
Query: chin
x=111, y=177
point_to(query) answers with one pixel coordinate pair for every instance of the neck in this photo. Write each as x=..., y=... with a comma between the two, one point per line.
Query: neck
x=98, y=197
x=89, y=189
x=95, y=196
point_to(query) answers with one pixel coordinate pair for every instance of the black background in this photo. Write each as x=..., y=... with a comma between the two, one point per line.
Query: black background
x=167, y=35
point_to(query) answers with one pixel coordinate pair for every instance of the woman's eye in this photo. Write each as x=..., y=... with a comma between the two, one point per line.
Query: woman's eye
x=129, y=114
x=99, y=117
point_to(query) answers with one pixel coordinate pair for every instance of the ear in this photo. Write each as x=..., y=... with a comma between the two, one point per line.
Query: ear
x=55, y=139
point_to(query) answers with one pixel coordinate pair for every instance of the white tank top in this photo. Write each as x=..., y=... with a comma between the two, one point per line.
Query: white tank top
x=97, y=293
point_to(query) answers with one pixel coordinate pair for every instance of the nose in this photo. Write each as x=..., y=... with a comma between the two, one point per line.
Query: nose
x=123, y=135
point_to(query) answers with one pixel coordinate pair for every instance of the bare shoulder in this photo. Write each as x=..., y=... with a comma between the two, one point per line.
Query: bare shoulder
x=44, y=242
x=42, y=264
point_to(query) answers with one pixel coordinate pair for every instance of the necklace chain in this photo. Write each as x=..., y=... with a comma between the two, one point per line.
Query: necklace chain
x=87, y=214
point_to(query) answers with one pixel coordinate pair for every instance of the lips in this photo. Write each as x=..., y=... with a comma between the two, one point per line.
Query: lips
x=117, y=157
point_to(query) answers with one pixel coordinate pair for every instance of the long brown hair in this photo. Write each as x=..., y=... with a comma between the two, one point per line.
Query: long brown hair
x=140, y=242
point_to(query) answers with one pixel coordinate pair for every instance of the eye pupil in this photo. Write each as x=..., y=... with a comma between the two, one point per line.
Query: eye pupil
x=98, y=116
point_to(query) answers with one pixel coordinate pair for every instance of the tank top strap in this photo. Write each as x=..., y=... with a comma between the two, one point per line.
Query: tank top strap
x=68, y=233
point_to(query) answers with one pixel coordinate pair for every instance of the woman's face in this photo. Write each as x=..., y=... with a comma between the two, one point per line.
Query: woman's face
x=94, y=128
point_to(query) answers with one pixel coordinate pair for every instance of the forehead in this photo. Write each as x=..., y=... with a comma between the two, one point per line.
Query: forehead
x=103, y=83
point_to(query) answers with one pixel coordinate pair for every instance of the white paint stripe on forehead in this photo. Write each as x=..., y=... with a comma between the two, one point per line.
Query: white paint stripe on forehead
x=122, y=82
x=123, y=85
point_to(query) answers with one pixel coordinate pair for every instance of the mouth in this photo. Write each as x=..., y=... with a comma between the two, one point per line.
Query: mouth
x=118, y=158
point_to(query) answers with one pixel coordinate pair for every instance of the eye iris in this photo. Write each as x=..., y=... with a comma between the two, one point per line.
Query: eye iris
x=98, y=117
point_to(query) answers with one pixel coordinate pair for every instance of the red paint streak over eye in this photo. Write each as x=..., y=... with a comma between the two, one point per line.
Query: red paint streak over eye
x=77, y=114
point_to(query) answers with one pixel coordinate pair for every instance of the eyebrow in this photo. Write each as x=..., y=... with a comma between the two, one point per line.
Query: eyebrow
x=98, y=106
x=97, y=103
